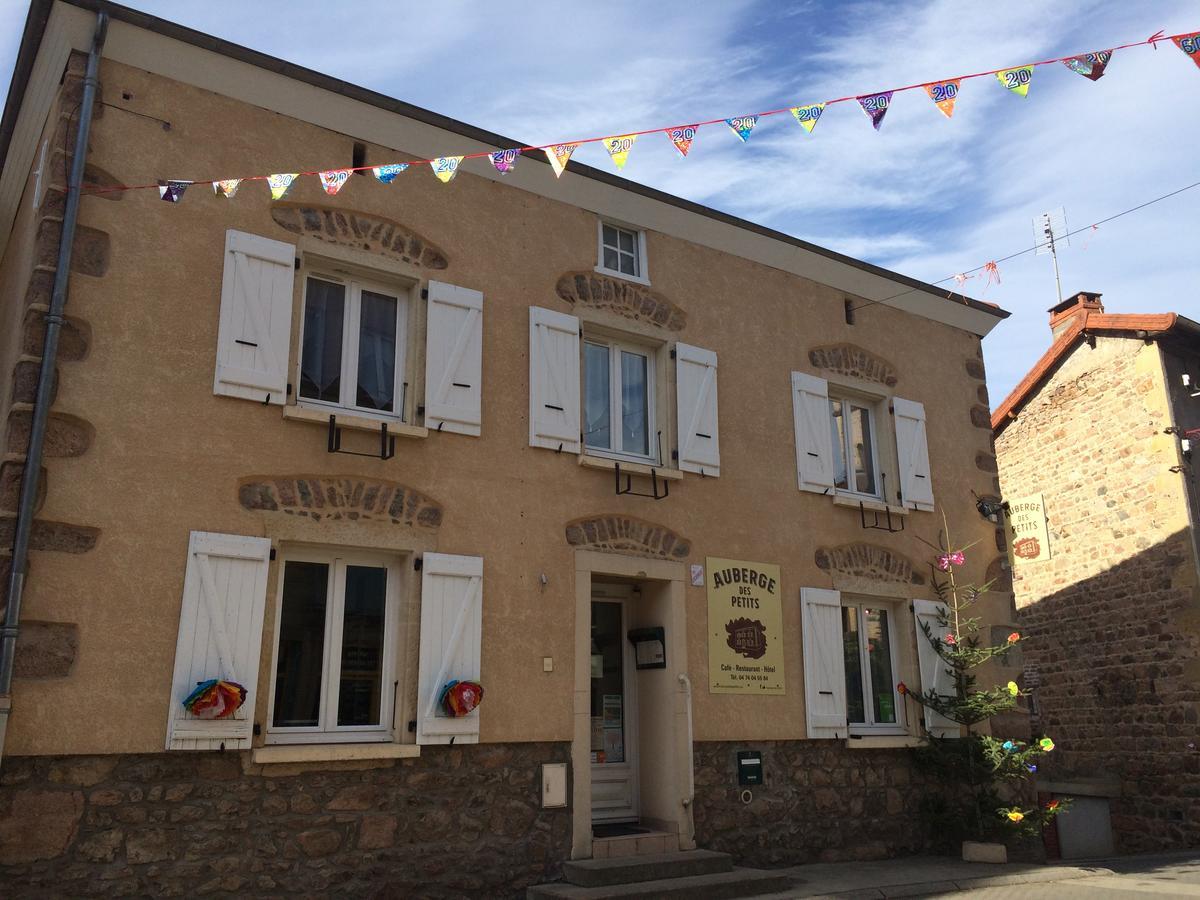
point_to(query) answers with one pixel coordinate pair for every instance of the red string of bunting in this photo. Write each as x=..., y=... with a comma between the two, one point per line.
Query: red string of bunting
x=942, y=92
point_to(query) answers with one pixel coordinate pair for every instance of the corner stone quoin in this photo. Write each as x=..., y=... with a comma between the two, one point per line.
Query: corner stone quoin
x=625, y=534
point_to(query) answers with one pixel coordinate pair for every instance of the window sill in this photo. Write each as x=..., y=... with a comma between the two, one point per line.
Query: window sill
x=308, y=753
x=357, y=423
x=631, y=468
x=882, y=741
x=636, y=279
x=852, y=501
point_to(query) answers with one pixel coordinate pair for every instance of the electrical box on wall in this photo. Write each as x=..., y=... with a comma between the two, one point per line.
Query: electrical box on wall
x=749, y=767
x=554, y=785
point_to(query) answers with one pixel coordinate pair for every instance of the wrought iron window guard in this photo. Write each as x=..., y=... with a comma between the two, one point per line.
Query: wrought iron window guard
x=387, y=442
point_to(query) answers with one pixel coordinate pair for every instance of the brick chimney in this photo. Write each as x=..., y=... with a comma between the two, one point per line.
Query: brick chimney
x=1077, y=305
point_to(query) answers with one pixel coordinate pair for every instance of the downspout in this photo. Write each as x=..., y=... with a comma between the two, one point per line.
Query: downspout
x=41, y=409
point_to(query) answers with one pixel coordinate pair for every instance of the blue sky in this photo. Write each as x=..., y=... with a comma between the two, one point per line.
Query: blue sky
x=925, y=196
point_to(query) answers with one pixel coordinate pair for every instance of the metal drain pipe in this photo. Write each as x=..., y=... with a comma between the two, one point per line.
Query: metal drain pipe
x=41, y=409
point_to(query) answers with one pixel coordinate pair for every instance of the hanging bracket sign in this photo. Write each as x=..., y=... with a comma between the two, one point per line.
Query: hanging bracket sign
x=745, y=628
x=1028, y=536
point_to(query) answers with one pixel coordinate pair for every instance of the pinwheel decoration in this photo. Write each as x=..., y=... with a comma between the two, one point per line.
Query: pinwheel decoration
x=215, y=699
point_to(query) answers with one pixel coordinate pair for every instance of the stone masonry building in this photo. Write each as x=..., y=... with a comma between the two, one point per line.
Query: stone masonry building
x=1111, y=621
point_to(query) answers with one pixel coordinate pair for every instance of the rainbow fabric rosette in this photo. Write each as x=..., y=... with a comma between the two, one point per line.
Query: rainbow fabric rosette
x=215, y=699
x=460, y=697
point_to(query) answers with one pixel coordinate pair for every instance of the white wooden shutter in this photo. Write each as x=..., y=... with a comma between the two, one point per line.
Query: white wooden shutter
x=454, y=359
x=912, y=446
x=696, y=404
x=220, y=635
x=256, y=318
x=451, y=626
x=824, y=663
x=553, y=380
x=814, y=433
x=934, y=671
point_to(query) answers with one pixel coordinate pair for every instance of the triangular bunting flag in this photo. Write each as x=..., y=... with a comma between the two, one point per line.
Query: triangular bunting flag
x=808, y=115
x=742, y=126
x=1089, y=65
x=172, y=191
x=559, y=155
x=279, y=184
x=504, y=160
x=682, y=137
x=618, y=148
x=445, y=167
x=227, y=188
x=876, y=106
x=1189, y=44
x=943, y=93
x=387, y=174
x=334, y=180
x=1016, y=80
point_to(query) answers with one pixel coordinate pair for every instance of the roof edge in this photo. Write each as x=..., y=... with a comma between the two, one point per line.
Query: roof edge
x=27, y=51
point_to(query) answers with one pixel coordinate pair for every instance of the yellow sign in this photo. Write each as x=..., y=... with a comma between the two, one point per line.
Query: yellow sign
x=745, y=628
x=1028, y=537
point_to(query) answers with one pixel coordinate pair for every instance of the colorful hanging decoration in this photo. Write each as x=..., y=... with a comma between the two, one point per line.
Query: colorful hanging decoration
x=992, y=273
x=742, y=126
x=1015, y=815
x=1089, y=65
x=901, y=689
x=1014, y=637
x=1046, y=744
x=944, y=93
x=334, y=180
x=618, y=149
x=950, y=639
x=387, y=174
x=215, y=699
x=808, y=115
x=1008, y=746
x=559, y=155
x=1013, y=689
x=227, y=188
x=460, y=697
x=876, y=106
x=445, y=167
x=682, y=137
x=505, y=160
x=280, y=184
x=1016, y=80
x=946, y=560
x=172, y=191
x=1189, y=44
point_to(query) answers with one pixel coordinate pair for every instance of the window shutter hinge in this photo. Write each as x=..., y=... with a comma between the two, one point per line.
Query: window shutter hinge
x=289, y=390
x=272, y=554
x=412, y=724
x=420, y=409
x=424, y=293
x=672, y=353
x=418, y=562
x=675, y=454
x=257, y=728
x=297, y=262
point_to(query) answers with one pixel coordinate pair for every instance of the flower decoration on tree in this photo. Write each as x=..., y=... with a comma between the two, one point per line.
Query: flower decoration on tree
x=1013, y=690
x=1052, y=805
x=1046, y=744
x=955, y=558
x=1008, y=746
x=901, y=689
x=1014, y=637
x=1014, y=815
x=950, y=639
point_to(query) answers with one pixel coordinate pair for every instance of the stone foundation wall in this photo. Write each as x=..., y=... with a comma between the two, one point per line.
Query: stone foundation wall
x=820, y=802
x=457, y=822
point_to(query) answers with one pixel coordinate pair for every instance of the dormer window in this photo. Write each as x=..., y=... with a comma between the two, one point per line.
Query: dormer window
x=622, y=252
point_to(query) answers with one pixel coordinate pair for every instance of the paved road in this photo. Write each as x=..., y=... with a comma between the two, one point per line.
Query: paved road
x=1139, y=878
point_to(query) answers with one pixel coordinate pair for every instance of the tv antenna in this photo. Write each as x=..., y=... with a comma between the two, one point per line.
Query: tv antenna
x=1048, y=230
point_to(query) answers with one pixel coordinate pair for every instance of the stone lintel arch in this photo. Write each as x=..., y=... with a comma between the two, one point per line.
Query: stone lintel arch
x=335, y=497
x=627, y=535
x=868, y=561
x=854, y=361
x=624, y=298
x=360, y=230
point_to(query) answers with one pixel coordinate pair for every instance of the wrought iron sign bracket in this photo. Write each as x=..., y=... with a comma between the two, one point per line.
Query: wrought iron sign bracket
x=628, y=488
x=387, y=442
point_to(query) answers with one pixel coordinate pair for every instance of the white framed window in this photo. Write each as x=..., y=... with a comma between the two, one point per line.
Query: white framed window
x=334, y=672
x=353, y=337
x=622, y=251
x=869, y=652
x=618, y=399
x=855, y=456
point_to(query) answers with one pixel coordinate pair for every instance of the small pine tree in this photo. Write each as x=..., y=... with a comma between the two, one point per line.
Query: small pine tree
x=993, y=770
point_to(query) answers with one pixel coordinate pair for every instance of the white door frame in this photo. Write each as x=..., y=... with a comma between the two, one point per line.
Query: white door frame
x=626, y=771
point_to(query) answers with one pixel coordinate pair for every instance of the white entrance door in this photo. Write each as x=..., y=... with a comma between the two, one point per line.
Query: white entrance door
x=614, y=710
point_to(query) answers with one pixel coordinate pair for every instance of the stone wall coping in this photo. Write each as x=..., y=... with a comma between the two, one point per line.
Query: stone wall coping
x=882, y=741
x=298, y=413
x=306, y=753
x=602, y=462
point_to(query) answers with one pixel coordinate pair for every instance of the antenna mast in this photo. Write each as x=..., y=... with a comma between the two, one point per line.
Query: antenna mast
x=1048, y=229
